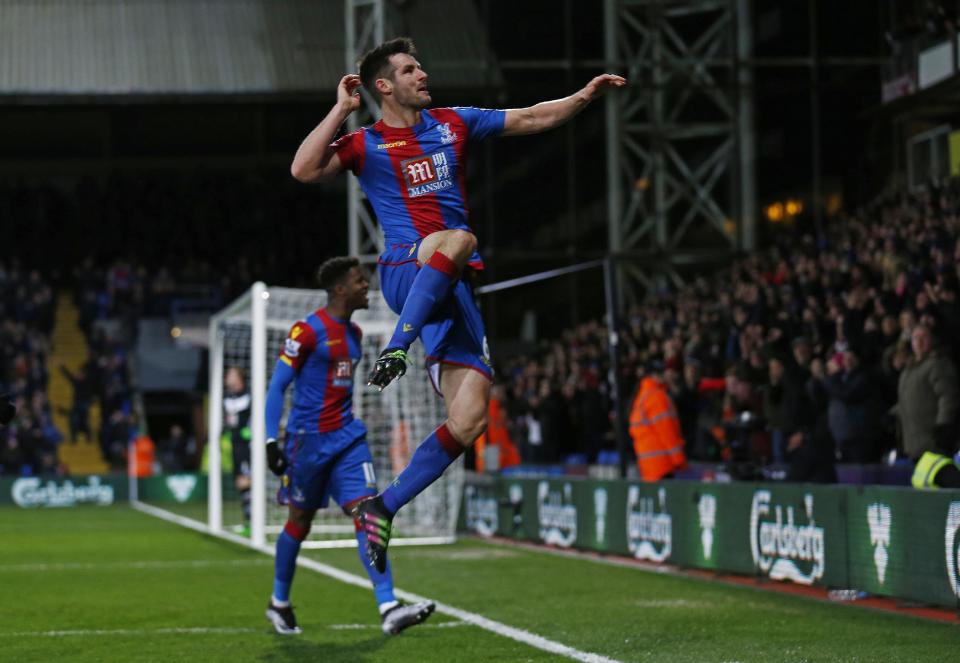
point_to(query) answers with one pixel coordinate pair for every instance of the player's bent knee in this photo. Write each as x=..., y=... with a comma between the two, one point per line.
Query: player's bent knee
x=466, y=240
x=297, y=531
x=459, y=244
x=302, y=518
x=481, y=425
x=466, y=432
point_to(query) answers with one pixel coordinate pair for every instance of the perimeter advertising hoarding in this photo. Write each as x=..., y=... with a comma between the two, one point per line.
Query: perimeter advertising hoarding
x=904, y=543
x=180, y=488
x=890, y=541
x=99, y=490
x=55, y=492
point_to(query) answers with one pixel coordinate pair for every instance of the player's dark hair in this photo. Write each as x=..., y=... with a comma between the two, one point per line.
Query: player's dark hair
x=375, y=63
x=332, y=272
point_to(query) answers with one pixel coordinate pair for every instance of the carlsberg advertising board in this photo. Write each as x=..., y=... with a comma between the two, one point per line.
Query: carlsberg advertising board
x=649, y=524
x=49, y=492
x=785, y=542
x=887, y=541
x=43, y=492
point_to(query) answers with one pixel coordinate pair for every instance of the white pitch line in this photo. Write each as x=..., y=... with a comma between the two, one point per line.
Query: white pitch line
x=520, y=635
x=193, y=631
x=517, y=634
x=154, y=564
x=363, y=627
x=129, y=631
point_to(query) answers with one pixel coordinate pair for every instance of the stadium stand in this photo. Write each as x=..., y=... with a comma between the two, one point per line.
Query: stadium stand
x=861, y=287
x=808, y=303
x=29, y=443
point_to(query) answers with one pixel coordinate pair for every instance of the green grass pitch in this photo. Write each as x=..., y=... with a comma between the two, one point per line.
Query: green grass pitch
x=112, y=584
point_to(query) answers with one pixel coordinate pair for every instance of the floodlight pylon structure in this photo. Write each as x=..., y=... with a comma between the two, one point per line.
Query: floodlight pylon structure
x=365, y=28
x=680, y=137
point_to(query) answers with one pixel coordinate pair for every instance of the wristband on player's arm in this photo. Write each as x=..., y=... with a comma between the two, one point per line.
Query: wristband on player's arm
x=276, y=460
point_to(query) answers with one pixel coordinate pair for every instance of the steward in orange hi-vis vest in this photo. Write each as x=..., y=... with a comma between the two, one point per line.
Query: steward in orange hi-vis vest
x=497, y=435
x=655, y=429
x=143, y=457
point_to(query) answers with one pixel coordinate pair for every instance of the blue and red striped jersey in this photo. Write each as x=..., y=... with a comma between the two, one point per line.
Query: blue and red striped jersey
x=324, y=351
x=415, y=176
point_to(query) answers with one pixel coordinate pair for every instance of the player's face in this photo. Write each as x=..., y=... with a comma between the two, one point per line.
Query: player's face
x=357, y=286
x=409, y=82
x=233, y=381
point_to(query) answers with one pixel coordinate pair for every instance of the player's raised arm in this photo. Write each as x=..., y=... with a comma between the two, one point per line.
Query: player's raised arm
x=549, y=114
x=315, y=160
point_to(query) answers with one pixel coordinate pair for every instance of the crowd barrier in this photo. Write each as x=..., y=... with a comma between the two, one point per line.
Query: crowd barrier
x=888, y=541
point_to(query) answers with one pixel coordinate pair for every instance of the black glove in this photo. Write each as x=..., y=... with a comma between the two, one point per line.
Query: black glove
x=7, y=409
x=276, y=461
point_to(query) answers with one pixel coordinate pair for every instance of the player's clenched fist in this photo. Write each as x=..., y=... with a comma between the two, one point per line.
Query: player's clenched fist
x=276, y=460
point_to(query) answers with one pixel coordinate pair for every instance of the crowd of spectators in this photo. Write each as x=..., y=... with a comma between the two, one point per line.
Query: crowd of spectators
x=792, y=355
x=557, y=402
x=27, y=316
x=815, y=329
x=109, y=301
x=178, y=261
x=29, y=444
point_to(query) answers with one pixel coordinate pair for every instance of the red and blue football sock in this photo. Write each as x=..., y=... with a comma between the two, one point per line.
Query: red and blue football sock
x=288, y=547
x=429, y=461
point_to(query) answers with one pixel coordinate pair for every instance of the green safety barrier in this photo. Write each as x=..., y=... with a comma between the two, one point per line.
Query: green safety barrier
x=884, y=540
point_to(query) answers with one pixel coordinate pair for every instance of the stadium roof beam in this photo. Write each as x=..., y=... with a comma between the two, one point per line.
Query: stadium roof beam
x=680, y=137
x=227, y=51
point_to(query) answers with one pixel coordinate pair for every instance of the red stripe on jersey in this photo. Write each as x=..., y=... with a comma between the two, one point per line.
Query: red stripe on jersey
x=351, y=150
x=334, y=397
x=424, y=210
x=459, y=127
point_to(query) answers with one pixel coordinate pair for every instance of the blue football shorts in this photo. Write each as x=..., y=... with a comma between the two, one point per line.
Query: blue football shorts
x=334, y=465
x=454, y=334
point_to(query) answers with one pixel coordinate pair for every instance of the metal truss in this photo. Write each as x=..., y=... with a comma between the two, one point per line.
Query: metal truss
x=365, y=21
x=680, y=136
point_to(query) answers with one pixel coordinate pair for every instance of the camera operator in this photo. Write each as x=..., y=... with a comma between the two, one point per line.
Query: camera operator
x=744, y=445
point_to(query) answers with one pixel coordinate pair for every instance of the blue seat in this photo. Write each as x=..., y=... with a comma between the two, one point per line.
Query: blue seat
x=608, y=457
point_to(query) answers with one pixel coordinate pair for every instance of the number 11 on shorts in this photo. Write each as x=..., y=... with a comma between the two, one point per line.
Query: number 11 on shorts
x=368, y=474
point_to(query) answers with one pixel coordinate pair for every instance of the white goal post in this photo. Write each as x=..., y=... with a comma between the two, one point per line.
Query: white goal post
x=248, y=334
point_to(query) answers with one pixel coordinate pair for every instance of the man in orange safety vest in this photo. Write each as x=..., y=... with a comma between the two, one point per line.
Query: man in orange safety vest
x=655, y=427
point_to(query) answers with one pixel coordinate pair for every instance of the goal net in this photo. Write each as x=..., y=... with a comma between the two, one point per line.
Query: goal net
x=249, y=334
